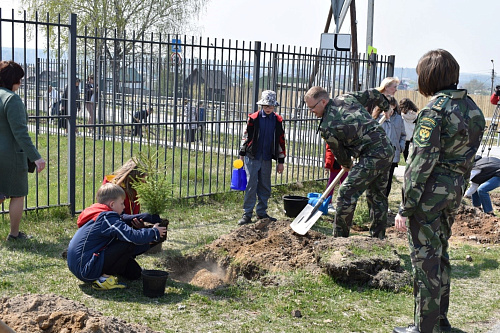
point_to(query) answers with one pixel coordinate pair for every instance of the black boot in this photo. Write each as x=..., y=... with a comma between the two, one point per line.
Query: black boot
x=408, y=329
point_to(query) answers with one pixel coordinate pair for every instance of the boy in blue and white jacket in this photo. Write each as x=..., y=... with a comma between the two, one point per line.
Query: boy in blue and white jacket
x=105, y=246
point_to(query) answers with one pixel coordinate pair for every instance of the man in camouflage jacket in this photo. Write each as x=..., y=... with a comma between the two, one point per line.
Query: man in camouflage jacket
x=447, y=134
x=351, y=132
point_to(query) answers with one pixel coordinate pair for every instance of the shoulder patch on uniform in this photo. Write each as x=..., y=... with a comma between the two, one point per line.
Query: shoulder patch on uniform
x=440, y=103
x=423, y=131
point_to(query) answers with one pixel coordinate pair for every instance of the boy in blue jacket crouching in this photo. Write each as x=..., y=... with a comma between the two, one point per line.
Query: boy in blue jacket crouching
x=106, y=246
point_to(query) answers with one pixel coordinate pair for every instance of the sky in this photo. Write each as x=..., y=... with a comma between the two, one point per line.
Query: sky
x=470, y=30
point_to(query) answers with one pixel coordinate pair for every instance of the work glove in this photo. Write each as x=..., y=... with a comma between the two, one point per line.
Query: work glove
x=324, y=206
x=497, y=91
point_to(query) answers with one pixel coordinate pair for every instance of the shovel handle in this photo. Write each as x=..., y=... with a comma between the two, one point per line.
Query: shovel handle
x=330, y=187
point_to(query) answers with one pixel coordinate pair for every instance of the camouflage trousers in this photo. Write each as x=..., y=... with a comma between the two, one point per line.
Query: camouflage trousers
x=429, y=229
x=359, y=180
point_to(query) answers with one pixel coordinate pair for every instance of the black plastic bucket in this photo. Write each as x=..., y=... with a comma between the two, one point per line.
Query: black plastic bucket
x=153, y=283
x=294, y=204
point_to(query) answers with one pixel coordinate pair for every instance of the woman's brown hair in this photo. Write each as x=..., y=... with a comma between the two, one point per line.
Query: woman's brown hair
x=437, y=70
x=11, y=73
x=406, y=105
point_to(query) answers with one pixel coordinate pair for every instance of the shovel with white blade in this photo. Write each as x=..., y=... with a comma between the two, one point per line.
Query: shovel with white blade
x=310, y=214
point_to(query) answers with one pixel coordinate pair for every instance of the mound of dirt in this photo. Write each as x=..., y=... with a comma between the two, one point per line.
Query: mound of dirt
x=268, y=247
x=206, y=279
x=363, y=260
x=472, y=224
x=53, y=314
x=257, y=249
x=254, y=250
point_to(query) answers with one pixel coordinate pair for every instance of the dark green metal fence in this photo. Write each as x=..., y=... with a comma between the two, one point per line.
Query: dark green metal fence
x=174, y=76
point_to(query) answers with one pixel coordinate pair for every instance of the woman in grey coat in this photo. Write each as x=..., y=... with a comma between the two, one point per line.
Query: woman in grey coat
x=16, y=146
x=395, y=130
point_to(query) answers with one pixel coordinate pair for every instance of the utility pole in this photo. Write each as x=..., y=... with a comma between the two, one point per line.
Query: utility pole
x=369, y=25
x=492, y=75
x=354, y=47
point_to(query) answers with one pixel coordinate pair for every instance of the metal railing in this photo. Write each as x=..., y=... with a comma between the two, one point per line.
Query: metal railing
x=170, y=74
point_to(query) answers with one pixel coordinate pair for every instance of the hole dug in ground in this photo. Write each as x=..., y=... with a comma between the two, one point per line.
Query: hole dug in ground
x=255, y=250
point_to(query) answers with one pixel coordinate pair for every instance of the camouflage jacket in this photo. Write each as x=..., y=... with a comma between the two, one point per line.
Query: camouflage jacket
x=447, y=134
x=351, y=132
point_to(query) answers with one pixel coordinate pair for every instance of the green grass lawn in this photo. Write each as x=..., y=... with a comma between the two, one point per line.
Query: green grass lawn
x=36, y=267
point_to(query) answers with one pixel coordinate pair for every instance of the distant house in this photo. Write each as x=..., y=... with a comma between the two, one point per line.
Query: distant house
x=215, y=83
x=132, y=80
x=46, y=78
x=403, y=85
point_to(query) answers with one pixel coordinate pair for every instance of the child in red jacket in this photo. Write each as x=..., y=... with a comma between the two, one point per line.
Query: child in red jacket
x=333, y=166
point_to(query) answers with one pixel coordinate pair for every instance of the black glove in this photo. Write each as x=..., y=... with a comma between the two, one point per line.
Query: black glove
x=497, y=91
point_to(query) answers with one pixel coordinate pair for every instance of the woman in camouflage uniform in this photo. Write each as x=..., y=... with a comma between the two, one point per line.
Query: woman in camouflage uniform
x=447, y=135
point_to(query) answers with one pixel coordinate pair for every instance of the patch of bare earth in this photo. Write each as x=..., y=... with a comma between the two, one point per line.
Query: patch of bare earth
x=55, y=314
x=253, y=251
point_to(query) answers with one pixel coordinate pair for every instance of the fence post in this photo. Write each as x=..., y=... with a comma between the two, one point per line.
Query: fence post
x=275, y=72
x=72, y=113
x=176, y=96
x=256, y=76
x=390, y=66
x=372, y=76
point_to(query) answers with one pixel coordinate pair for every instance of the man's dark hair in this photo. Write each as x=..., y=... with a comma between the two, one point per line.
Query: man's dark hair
x=437, y=70
x=11, y=73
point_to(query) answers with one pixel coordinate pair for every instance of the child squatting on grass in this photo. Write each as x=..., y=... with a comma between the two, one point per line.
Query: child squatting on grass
x=106, y=246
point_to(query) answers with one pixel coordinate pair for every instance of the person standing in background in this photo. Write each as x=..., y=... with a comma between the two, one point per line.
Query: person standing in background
x=409, y=114
x=190, y=116
x=54, y=101
x=63, y=122
x=394, y=128
x=389, y=86
x=89, y=98
x=263, y=141
x=201, y=120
